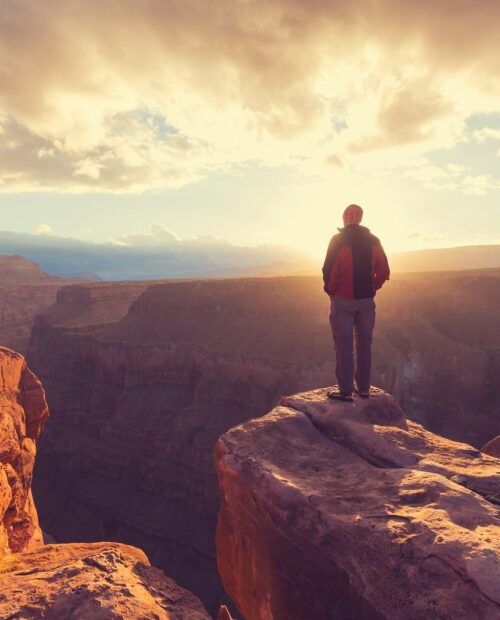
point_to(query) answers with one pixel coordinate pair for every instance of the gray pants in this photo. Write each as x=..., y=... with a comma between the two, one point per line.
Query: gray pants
x=348, y=316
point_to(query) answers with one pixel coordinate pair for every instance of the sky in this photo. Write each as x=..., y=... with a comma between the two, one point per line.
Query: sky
x=253, y=121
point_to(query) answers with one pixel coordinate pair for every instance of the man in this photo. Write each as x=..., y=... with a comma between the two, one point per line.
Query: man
x=355, y=268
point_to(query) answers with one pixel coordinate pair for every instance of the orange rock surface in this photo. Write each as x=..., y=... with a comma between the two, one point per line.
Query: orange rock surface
x=348, y=510
x=93, y=581
x=23, y=411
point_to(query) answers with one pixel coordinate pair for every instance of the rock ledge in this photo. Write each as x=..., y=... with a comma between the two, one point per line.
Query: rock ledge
x=348, y=510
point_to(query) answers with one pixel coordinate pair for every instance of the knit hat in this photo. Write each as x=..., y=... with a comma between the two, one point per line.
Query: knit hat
x=353, y=215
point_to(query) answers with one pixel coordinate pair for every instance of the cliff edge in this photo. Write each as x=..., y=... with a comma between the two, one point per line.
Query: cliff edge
x=23, y=411
x=348, y=510
x=93, y=580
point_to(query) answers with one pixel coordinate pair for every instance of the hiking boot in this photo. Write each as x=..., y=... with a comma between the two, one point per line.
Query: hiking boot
x=336, y=394
x=362, y=393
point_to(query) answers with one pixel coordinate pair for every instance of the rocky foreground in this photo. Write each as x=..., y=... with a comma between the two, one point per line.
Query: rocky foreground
x=350, y=511
x=91, y=581
x=87, y=581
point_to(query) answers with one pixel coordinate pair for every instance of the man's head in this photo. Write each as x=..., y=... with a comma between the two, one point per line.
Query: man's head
x=353, y=215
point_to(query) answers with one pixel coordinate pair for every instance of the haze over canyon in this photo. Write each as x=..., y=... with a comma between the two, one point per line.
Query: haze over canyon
x=160, y=254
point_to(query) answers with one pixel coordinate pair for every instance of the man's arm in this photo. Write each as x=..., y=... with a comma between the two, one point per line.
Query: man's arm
x=331, y=255
x=382, y=271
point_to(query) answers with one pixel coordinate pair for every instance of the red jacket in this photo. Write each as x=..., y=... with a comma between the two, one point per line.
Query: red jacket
x=355, y=265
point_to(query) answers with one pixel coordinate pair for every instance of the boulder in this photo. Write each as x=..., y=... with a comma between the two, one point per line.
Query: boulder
x=348, y=510
x=97, y=581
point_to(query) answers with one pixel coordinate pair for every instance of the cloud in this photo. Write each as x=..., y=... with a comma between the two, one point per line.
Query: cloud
x=406, y=115
x=132, y=96
x=159, y=236
x=453, y=177
x=157, y=254
x=487, y=133
x=43, y=229
x=479, y=184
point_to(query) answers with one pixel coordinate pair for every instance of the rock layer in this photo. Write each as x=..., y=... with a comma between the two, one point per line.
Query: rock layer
x=97, y=581
x=340, y=510
x=23, y=411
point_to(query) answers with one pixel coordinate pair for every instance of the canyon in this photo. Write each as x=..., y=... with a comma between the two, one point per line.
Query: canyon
x=101, y=580
x=349, y=510
x=142, y=379
x=25, y=290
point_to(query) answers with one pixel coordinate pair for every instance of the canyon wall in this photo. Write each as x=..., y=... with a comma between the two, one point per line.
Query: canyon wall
x=139, y=402
x=25, y=290
x=23, y=412
x=348, y=510
x=101, y=580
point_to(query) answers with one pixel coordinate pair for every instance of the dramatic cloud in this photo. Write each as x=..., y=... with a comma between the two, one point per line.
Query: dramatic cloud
x=126, y=96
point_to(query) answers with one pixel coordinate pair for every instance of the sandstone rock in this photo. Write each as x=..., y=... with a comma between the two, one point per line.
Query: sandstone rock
x=347, y=510
x=23, y=411
x=492, y=447
x=98, y=581
x=15, y=268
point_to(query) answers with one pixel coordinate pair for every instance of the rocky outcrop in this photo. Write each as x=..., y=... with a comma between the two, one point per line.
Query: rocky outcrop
x=99, y=580
x=23, y=411
x=492, y=447
x=341, y=510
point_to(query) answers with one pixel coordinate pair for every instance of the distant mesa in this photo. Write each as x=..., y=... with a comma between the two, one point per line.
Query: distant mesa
x=447, y=259
x=87, y=276
x=17, y=269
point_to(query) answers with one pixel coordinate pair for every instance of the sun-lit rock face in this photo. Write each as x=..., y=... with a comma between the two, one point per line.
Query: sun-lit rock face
x=348, y=510
x=98, y=580
x=23, y=411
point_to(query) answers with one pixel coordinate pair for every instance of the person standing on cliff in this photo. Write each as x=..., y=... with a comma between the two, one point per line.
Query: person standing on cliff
x=355, y=268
